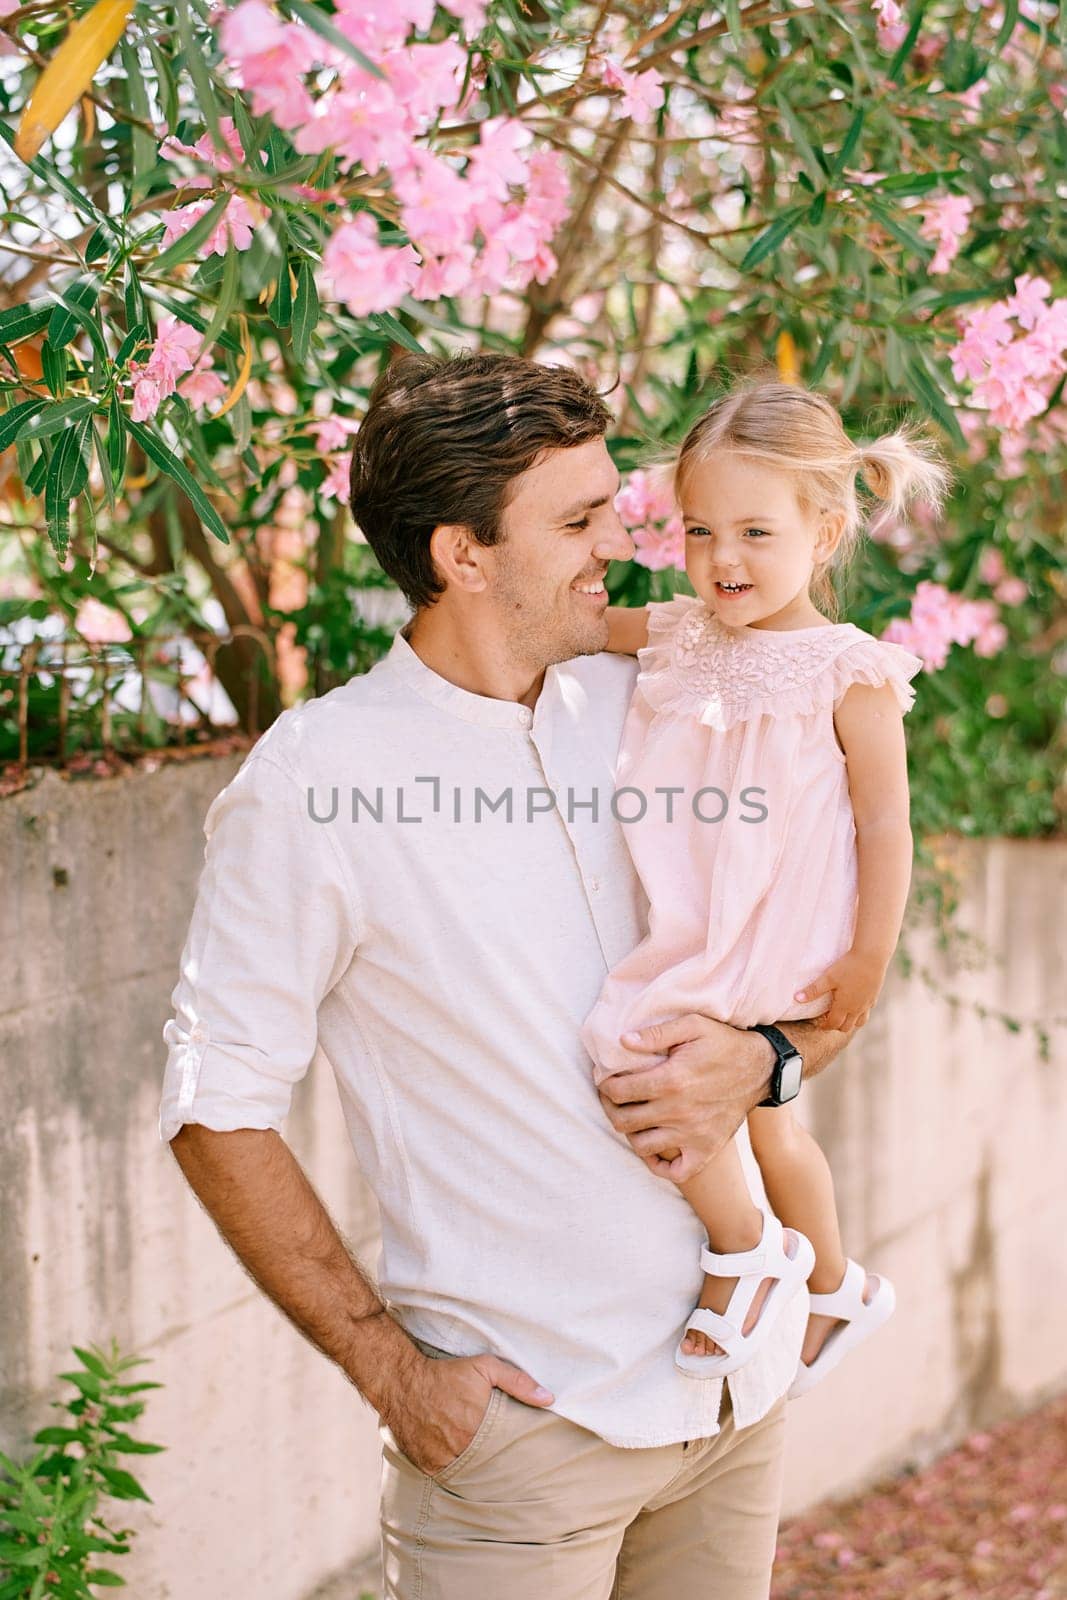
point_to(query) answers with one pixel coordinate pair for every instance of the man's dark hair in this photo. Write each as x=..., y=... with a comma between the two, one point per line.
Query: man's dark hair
x=442, y=441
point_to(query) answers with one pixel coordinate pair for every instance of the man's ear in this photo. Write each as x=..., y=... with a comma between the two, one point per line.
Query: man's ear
x=458, y=557
x=831, y=529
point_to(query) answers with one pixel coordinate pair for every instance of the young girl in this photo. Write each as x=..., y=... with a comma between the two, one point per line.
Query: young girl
x=777, y=871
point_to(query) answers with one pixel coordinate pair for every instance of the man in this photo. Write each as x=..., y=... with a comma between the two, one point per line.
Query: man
x=422, y=871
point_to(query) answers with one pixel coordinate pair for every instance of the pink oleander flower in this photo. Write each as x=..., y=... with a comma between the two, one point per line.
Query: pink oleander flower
x=499, y=163
x=991, y=566
x=1011, y=591
x=1030, y=301
x=435, y=205
x=658, y=548
x=642, y=92
x=101, y=624
x=204, y=150
x=470, y=12
x=174, y=351
x=940, y=619
x=892, y=26
x=376, y=26
x=202, y=386
x=236, y=224
x=337, y=485
x=442, y=276
x=147, y=396
x=270, y=58
x=946, y=220
x=332, y=433
x=427, y=80
x=364, y=274
x=645, y=497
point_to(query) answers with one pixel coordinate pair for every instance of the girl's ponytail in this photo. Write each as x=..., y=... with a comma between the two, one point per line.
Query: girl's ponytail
x=901, y=467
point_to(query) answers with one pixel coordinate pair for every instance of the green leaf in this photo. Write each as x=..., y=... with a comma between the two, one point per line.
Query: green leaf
x=106, y=476
x=87, y=1382
x=320, y=23
x=396, y=331
x=125, y=1444
x=175, y=468
x=772, y=237
x=231, y=277
x=900, y=231
x=911, y=182
x=305, y=311
x=19, y=322
x=54, y=419
x=1007, y=27
x=190, y=242
x=852, y=139
x=896, y=66
x=106, y=1579
x=93, y=1362
x=76, y=311
x=199, y=71
x=281, y=307
x=247, y=134
x=54, y=368
x=145, y=151
x=733, y=22
x=800, y=139
x=138, y=335
x=97, y=245
x=133, y=298
x=116, y=439
x=817, y=207
x=62, y=1436
x=123, y=1485
x=12, y=421
x=928, y=391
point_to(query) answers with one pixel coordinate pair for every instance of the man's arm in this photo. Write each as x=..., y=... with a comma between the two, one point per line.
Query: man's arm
x=259, y=1197
x=709, y=1076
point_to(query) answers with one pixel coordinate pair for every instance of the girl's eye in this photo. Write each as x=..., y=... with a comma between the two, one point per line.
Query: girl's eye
x=696, y=532
x=761, y=533
x=576, y=527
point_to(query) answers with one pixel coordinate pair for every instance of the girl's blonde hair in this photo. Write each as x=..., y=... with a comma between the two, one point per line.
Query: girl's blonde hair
x=789, y=427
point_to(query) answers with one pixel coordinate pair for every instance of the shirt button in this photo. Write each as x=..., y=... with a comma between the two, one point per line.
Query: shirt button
x=198, y=1033
x=594, y=884
x=525, y=717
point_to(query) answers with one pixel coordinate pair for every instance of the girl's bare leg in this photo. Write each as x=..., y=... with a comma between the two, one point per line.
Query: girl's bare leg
x=800, y=1188
x=720, y=1197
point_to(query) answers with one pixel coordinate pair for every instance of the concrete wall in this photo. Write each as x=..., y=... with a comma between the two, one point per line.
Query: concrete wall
x=946, y=1134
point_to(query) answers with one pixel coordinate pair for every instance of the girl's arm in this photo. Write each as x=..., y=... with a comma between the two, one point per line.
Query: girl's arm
x=627, y=629
x=870, y=728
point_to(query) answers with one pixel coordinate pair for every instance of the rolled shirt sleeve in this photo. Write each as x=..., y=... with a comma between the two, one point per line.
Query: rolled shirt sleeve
x=275, y=926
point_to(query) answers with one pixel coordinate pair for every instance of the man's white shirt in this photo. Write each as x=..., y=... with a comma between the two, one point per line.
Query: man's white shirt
x=369, y=889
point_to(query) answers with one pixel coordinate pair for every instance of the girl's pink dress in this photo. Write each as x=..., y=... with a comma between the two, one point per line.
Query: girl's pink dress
x=750, y=866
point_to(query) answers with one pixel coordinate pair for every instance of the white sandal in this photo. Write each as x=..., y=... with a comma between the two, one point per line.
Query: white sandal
x=770, y=1259
x=859, y=1319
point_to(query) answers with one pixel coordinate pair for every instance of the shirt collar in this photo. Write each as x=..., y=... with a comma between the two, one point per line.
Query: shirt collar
x=449, y=697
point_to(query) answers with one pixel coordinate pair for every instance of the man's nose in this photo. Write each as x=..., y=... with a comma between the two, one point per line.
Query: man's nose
x=615, y=543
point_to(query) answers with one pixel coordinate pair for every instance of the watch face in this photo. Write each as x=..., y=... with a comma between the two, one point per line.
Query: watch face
x=791, y=1078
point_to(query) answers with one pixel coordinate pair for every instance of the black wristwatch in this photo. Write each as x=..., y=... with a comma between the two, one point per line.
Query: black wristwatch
x=788, y=1072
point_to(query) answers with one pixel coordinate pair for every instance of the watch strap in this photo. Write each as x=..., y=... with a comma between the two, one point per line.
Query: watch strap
x=784, y=1050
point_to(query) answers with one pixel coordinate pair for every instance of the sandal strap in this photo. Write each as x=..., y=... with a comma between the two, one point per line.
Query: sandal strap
x=846, y=1302
x=726, y=1334
x=743, y=1262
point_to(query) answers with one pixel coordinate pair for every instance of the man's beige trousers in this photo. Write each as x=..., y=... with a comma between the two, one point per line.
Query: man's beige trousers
x=537, y=1508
